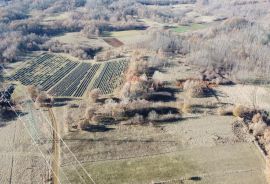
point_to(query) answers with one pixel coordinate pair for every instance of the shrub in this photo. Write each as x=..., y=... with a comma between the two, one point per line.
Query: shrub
x=240, y=111
x=195, y=88
x=152, y=116
x=225, y=111
x=94, y=95
x=169, y=116
x=259, y=128
x=256, y=118
x=89, y=113
x=33, y=92
x=68, y=119
x=43, y=100
x=136, y=120
x=187, y=108
x=266, y=135
x=84, y=124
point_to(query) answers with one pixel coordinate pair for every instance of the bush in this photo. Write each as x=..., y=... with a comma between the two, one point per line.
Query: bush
x=225, y=111
x=266, y=135
x=259, y=128
x=94, y=95
x=33, y=91
x=195, y=88
x=256, y=118
x=153, y=116
x=240, y=111
x=43, y=100
x=89, y=113
x=187, y=108
x=136, y=120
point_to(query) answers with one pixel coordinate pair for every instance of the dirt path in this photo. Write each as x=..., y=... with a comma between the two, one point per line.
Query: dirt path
x=56, y=149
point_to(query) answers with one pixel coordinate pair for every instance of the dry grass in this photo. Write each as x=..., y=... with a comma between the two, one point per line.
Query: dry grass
x=195, y=88
x=136, y=120
x=240, y=111
x=225, y=111
x=33, y=92
x=187, y=108
x=267, y=171
x=256, y=118
x=258, y=128
x=89, y=113
x=266, y=135
x=94, y=95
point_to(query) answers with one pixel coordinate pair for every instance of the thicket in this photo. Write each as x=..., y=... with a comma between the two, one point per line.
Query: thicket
x=237, y=46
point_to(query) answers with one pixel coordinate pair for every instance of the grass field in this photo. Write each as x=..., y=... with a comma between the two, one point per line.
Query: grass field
x=192, y=27
x=76, y=38
x=184, y=149
x=127, y=37
x=120, y=34
x=198, y=157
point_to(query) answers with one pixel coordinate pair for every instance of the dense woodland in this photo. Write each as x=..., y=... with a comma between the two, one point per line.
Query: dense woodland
x=237, y=44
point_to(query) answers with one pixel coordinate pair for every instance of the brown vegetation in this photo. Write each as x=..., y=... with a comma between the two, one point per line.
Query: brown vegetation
x=195, y=88
x=225, y=111
x=44, y=100
x=240, y=111
x=33, y=92
x=93, y=95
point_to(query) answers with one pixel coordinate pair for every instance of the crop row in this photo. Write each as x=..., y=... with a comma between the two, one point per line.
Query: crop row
x=69, y=84
x=58, y=75
x=110, y=76
x=86, y=81
x=30, y=66
x=63, y=77
x=44, y=71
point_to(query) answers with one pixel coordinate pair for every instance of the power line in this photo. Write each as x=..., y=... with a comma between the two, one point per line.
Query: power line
x=35, y=143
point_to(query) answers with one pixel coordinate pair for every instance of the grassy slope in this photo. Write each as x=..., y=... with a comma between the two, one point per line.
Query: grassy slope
x=192, y=27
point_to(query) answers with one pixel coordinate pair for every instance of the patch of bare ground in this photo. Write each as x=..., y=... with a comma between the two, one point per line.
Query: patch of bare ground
x=113, y=42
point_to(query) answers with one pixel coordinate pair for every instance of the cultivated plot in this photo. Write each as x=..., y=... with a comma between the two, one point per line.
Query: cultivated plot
x=63, y=77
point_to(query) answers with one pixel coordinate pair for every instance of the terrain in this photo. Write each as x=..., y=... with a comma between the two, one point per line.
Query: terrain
x=135, y=91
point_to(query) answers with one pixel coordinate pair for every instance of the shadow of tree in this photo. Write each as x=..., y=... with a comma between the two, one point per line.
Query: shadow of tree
x=97, y=128
x=9, y=115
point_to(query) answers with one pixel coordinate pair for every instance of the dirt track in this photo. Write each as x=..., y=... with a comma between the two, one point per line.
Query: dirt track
x=56, y=149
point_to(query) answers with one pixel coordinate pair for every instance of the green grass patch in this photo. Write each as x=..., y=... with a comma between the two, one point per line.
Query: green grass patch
x=121, y=34
x=139, y=170
x=192, y=27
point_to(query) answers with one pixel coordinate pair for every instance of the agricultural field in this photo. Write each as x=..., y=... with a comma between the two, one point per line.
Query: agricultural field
x=76, y=38
x=108, y=78
x=188, y=28
x=135, y=92
x=44, y=71
x=126, y=37
x=63, y=77
x=187, y=149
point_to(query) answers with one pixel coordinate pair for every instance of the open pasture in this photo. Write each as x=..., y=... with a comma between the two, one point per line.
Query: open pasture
x=63, y=77
x=205, y=148
x=192, y=27
x=78, y=39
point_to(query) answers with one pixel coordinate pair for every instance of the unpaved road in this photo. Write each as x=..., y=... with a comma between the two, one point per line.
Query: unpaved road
x=56, y=149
